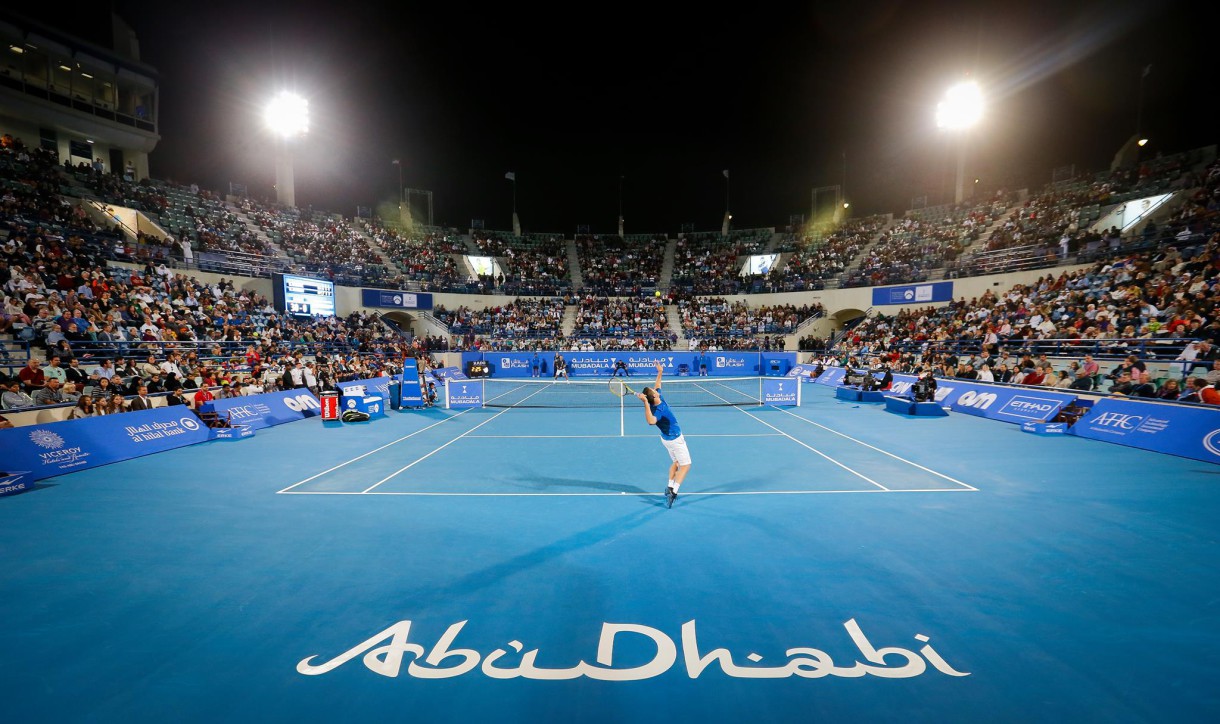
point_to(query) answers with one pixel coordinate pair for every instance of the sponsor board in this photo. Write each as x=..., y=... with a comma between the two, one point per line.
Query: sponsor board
x=71, y=445
x=15, y=482
x=236, y=432
x=267, y=409
x=395, y=299
x=593, y=364
x=461, y=394
x=1045, y=428
x=781, y=391
x=1185, y=430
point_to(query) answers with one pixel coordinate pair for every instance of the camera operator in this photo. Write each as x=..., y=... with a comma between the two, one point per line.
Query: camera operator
x=924, y=389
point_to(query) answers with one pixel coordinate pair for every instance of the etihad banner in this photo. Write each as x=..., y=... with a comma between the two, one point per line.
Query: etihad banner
x=270, y=408
x=44, y=451
x=1017, y=405
x=1183, y=430
x=640, y=364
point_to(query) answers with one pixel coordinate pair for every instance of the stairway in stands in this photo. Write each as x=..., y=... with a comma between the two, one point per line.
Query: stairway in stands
x=667, y=265
x=362, y=229
x=578, y=279
x=569, y=320
x=675, y=324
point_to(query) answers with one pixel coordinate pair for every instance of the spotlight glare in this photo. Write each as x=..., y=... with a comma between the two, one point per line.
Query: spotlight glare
x=1143, y=142
x=961, y=108
x=287, y=115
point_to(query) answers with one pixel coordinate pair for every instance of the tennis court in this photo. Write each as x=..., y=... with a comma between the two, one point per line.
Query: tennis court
x=519, y=564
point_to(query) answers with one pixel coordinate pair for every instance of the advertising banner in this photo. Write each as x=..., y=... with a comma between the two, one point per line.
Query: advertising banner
x=268, y=409
x=913, y=294
x=1010, y=404
x=1183, y=430
x=781, y=391
x=461, y=394
x=66, y=447
x=640, y=364
x=374, y=385
x=394, y=299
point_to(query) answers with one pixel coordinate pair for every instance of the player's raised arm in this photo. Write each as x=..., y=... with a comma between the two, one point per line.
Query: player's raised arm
x=660, y=372
x=652, y=420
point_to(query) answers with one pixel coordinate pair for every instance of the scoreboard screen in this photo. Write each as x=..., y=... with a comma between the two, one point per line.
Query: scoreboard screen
x=303, y=296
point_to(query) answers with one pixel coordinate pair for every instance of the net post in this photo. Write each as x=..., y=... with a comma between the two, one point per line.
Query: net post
x=447, y=393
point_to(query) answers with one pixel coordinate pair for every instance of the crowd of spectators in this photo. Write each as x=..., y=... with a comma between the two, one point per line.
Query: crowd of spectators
x=711, y=263
x=538, y=318
x=614, y=265
x=926, y=239
x=1151, y=305
x=535, y=264
x=424, y=257
x=716, y=317
x=824, y=252
x=621, y=317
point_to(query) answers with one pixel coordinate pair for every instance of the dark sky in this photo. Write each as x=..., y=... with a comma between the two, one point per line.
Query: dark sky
x=575, y=96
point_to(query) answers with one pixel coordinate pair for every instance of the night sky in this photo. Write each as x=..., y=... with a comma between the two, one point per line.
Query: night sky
x=575, y=98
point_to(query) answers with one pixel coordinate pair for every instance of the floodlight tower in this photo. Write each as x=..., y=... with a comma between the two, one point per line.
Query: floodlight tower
x=287, y=116
x=960, y=111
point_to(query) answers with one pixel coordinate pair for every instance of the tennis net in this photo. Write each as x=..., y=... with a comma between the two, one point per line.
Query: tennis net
x=692, y=392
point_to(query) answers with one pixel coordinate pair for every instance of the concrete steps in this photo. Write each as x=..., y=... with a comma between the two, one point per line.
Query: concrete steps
x=574, y=272
x=667, y=265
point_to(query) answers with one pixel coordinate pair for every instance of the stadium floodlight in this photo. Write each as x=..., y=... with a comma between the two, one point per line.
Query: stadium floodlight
x=961, y=108
x=287, y=115
x=1143, y=142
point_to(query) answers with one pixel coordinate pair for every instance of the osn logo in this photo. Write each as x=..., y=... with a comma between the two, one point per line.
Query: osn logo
x=398, y=300
x=977, y=400
x=351, y=404
x=189, y=423
x=301, y=403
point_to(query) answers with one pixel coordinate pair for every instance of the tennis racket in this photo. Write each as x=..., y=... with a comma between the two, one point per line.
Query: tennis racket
x=620, y=388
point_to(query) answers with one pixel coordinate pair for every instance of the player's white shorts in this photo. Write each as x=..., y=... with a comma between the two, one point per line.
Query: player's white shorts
x=677, y=450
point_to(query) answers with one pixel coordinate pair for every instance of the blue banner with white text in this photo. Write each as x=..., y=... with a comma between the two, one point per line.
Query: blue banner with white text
x=71, y=445
x=641, y=364
x=1183, y=430
x=461, y=394
x=913, y=294
x=379, y=386
x=267, y=409
x=781, y=391
x=395, y=299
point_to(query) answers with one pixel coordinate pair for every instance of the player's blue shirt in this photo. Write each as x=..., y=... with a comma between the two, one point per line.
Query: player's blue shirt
x=666, y=422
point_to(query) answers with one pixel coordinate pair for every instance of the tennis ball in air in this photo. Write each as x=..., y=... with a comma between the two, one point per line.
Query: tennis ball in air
x=658, y=292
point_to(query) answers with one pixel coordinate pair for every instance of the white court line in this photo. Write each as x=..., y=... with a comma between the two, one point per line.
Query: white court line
x=798, y=442
x=442, y=447
x=542, y=437
x=370, y=452
x=884, y=452
x=635, y=495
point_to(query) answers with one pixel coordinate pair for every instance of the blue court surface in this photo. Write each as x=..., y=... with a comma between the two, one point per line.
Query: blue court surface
x=831, y=562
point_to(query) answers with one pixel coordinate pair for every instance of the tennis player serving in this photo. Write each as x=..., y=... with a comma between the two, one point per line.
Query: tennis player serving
x=657, y=412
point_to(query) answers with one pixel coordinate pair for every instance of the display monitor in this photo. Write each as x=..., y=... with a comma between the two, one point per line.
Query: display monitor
x=304, y=296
